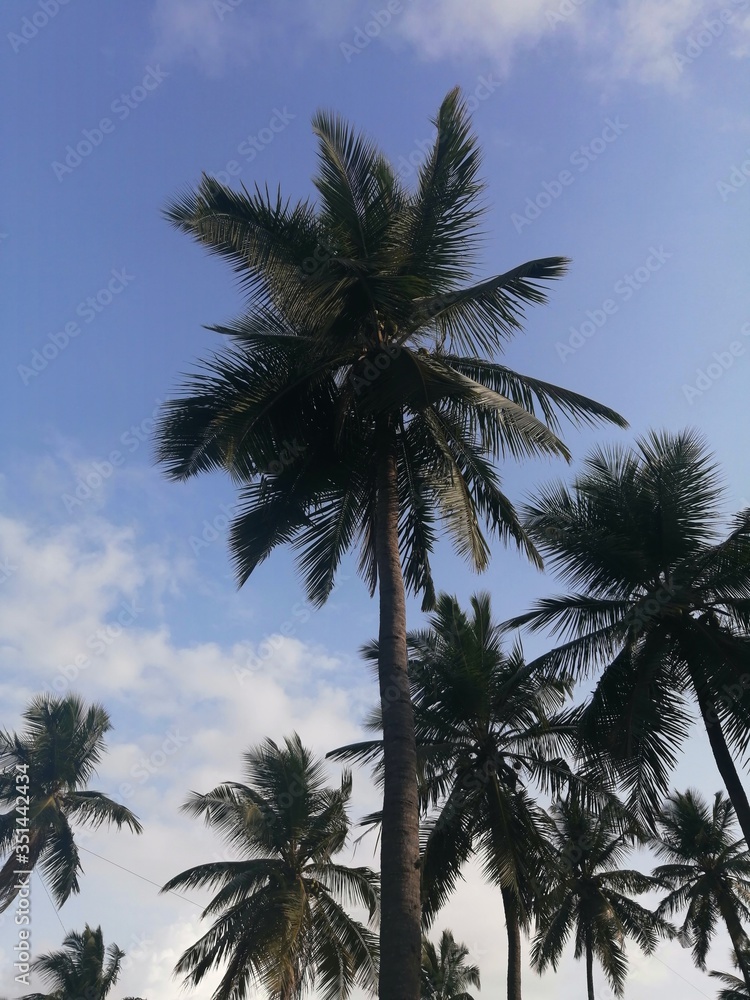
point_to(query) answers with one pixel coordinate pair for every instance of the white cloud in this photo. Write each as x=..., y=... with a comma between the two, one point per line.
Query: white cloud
x=210, y=32
x=632, y=39
x=640, y=40
x=182, y=720
x=450, y=27
x=218, y=33
x=646, y=36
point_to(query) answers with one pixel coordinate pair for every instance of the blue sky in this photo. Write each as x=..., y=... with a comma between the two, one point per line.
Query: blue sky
x=615, y=134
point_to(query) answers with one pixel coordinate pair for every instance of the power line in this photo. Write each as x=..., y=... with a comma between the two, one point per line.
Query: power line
x=188, y=900
x=142, y=877
x=57, y=912
x=676, y=973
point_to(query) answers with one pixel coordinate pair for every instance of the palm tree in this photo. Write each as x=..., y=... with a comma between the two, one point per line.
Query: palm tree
x=735, y=988
x=82, y=970
x=486, y=729
x=708, y=873
x=661, y=604
x=590, y=896
x=361, y=404
x=44, y=773
x=445, y=974
x=279, y=918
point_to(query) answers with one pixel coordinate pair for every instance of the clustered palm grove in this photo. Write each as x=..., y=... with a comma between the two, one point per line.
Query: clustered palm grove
x=365, y=344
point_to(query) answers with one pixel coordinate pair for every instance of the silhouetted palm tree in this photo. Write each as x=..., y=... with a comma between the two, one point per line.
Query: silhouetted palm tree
x=51, y=764
x=708, y=873
x=279, y=920
x=445, y=972
x=734, y=988
x=82, y=970
x=361, y=405
x=487, y=729
x=590, y=895
x=661, y=608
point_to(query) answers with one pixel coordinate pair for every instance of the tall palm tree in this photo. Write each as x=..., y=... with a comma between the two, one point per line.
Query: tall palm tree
x=279, y=915
x=590, y=895
x=708, y=873
x=487, y=728
x=82, y=970
x=360, y=404
x=661, y=605
x=445, y=973
x=44, y=773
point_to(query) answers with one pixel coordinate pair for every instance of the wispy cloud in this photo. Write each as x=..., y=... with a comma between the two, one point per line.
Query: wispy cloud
x=183, y=714
x=451, y=27
x=651, y=42
x=216, y=34
x=78, y=614
x=642, y=40
x=211, y=33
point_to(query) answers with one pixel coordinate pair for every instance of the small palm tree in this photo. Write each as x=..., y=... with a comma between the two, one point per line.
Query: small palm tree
x=361, y=405
x=590, y=895
x=445, y=974
x=487, y=728
x=660, y=606
x=708, y=873
x=734, y=988
x=51, y=764
x=82, y=970
x=279, y=915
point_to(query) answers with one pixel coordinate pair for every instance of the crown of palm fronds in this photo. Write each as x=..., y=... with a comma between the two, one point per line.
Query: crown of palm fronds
x=361, y=338
x=58, y=752
x=659, y=602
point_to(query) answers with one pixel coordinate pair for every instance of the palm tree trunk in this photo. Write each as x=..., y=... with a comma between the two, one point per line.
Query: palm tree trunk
x=590, y=967
x=400, y=923
x=725, y=764
x=738, y=938
x=513, y=928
